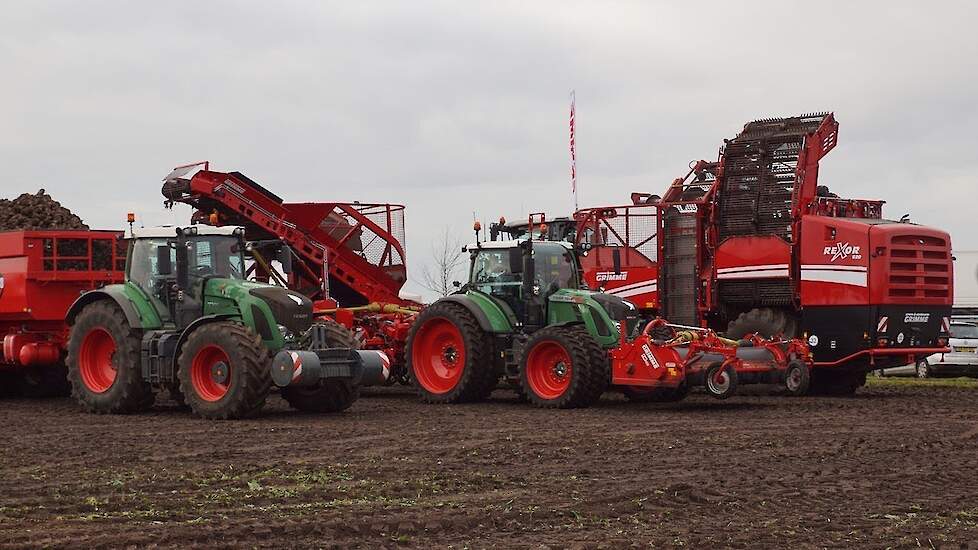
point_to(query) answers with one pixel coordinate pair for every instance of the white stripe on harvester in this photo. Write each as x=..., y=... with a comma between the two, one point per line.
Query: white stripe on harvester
x=758, y=274
x=652, y=282
x=854, y=278
x=632, y=291
x=751, y=268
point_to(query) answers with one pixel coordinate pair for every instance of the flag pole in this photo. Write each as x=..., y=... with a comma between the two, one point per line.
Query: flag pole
x=573, y=148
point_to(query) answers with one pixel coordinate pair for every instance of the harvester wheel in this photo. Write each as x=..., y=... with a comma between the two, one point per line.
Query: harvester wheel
x=797, y=378
x=563, y=368
x=104, y=362
x=331, y=395
x=765, y=321
x=638, y=394
x=721, y=380
x=448, y=356
x=224, y=371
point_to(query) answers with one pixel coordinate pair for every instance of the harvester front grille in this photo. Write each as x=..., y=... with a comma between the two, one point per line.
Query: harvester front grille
x=919, y=268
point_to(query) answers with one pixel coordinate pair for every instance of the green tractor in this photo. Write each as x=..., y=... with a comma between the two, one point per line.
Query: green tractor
x=187, y=320
x=524, y=316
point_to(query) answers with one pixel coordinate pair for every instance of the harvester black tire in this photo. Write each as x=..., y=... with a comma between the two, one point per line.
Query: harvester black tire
x=588, y=375
x=105, y=323
x=720, y=391
x=637, y=394
x=797, y=378
x=765, y=321
x=247, y=375
x=432, y=356
x=44, y=381
x=331, y=395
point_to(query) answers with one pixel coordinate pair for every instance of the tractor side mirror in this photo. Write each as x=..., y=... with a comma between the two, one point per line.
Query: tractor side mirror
x=285, y=258
x=616, y=260
x=163, y=264
x=516, y=260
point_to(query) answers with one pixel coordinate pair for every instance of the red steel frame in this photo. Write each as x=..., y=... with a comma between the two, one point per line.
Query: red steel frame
x=39, y=285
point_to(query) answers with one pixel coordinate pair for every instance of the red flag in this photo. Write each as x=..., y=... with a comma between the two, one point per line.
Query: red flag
x=573, y=151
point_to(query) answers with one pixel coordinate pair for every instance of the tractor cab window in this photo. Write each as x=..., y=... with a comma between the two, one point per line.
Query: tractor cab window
x=491, y=274
x=556, y=268
x=216, y=256
x=144, y=271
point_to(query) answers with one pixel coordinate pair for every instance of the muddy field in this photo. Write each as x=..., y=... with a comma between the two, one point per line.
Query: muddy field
x=896, y=466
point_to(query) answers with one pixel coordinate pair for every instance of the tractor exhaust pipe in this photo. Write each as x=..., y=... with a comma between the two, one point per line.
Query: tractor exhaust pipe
x=309, y=368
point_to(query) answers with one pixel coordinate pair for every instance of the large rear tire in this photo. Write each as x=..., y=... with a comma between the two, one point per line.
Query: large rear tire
x=448, y=356
x=104, y=362
x=765, y=321
x=563, y=368
x=331, y=395
x=224, y=371
x=836, y=382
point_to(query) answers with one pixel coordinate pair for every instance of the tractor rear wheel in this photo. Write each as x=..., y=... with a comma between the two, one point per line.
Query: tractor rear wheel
x=765, y=321
x=224, y=371
x=331, y=395
x=563, y=368
x=448, y=356
x=104, y=361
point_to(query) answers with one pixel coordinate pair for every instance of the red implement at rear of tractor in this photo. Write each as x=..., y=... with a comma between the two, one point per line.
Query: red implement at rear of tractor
x=348, y=258
x=665, y=361
x=42, y=272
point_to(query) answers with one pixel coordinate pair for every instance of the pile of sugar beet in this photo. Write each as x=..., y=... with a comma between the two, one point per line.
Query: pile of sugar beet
x=36, y=211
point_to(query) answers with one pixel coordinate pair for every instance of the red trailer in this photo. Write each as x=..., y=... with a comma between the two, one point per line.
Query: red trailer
x=42, y=272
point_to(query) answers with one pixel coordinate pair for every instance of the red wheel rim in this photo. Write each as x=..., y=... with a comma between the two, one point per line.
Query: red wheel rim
x=438, y=356
x=210, y=373
x=95, y=360
x=548, y=370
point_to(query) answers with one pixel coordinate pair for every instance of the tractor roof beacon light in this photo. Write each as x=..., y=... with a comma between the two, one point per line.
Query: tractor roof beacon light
x=131, y=219
x=477, y=227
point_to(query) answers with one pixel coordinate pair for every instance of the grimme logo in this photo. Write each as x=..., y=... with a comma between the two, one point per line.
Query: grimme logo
x=916, y=318
x=611, y=276
x=843, y=251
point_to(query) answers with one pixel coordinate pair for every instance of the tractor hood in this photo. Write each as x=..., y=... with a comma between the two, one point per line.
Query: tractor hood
x=291, y=309
x=616, y=307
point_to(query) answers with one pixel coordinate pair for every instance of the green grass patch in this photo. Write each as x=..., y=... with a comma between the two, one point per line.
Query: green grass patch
x=962, y=382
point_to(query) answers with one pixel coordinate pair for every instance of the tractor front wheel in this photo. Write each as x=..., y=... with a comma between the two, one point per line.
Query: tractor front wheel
x=562, y=368
x=224, y=371
x=104, y=362
x=448, y=356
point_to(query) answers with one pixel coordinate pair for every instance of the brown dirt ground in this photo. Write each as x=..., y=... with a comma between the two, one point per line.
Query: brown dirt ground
x=893, y=467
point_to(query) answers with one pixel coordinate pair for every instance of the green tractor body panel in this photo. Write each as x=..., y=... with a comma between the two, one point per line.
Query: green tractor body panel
x=498, y=320
x=149, y=316
x=233, y=298
x=575, y=306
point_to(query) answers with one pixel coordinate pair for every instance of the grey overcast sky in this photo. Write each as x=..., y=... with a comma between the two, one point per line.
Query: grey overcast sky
x=450, y=107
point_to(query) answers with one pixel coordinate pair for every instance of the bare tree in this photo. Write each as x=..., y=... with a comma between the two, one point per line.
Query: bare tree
x=447, y=261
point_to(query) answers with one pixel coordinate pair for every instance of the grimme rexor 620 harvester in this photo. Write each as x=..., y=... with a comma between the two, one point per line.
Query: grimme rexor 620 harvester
x=349, y=257
x=752, y=243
